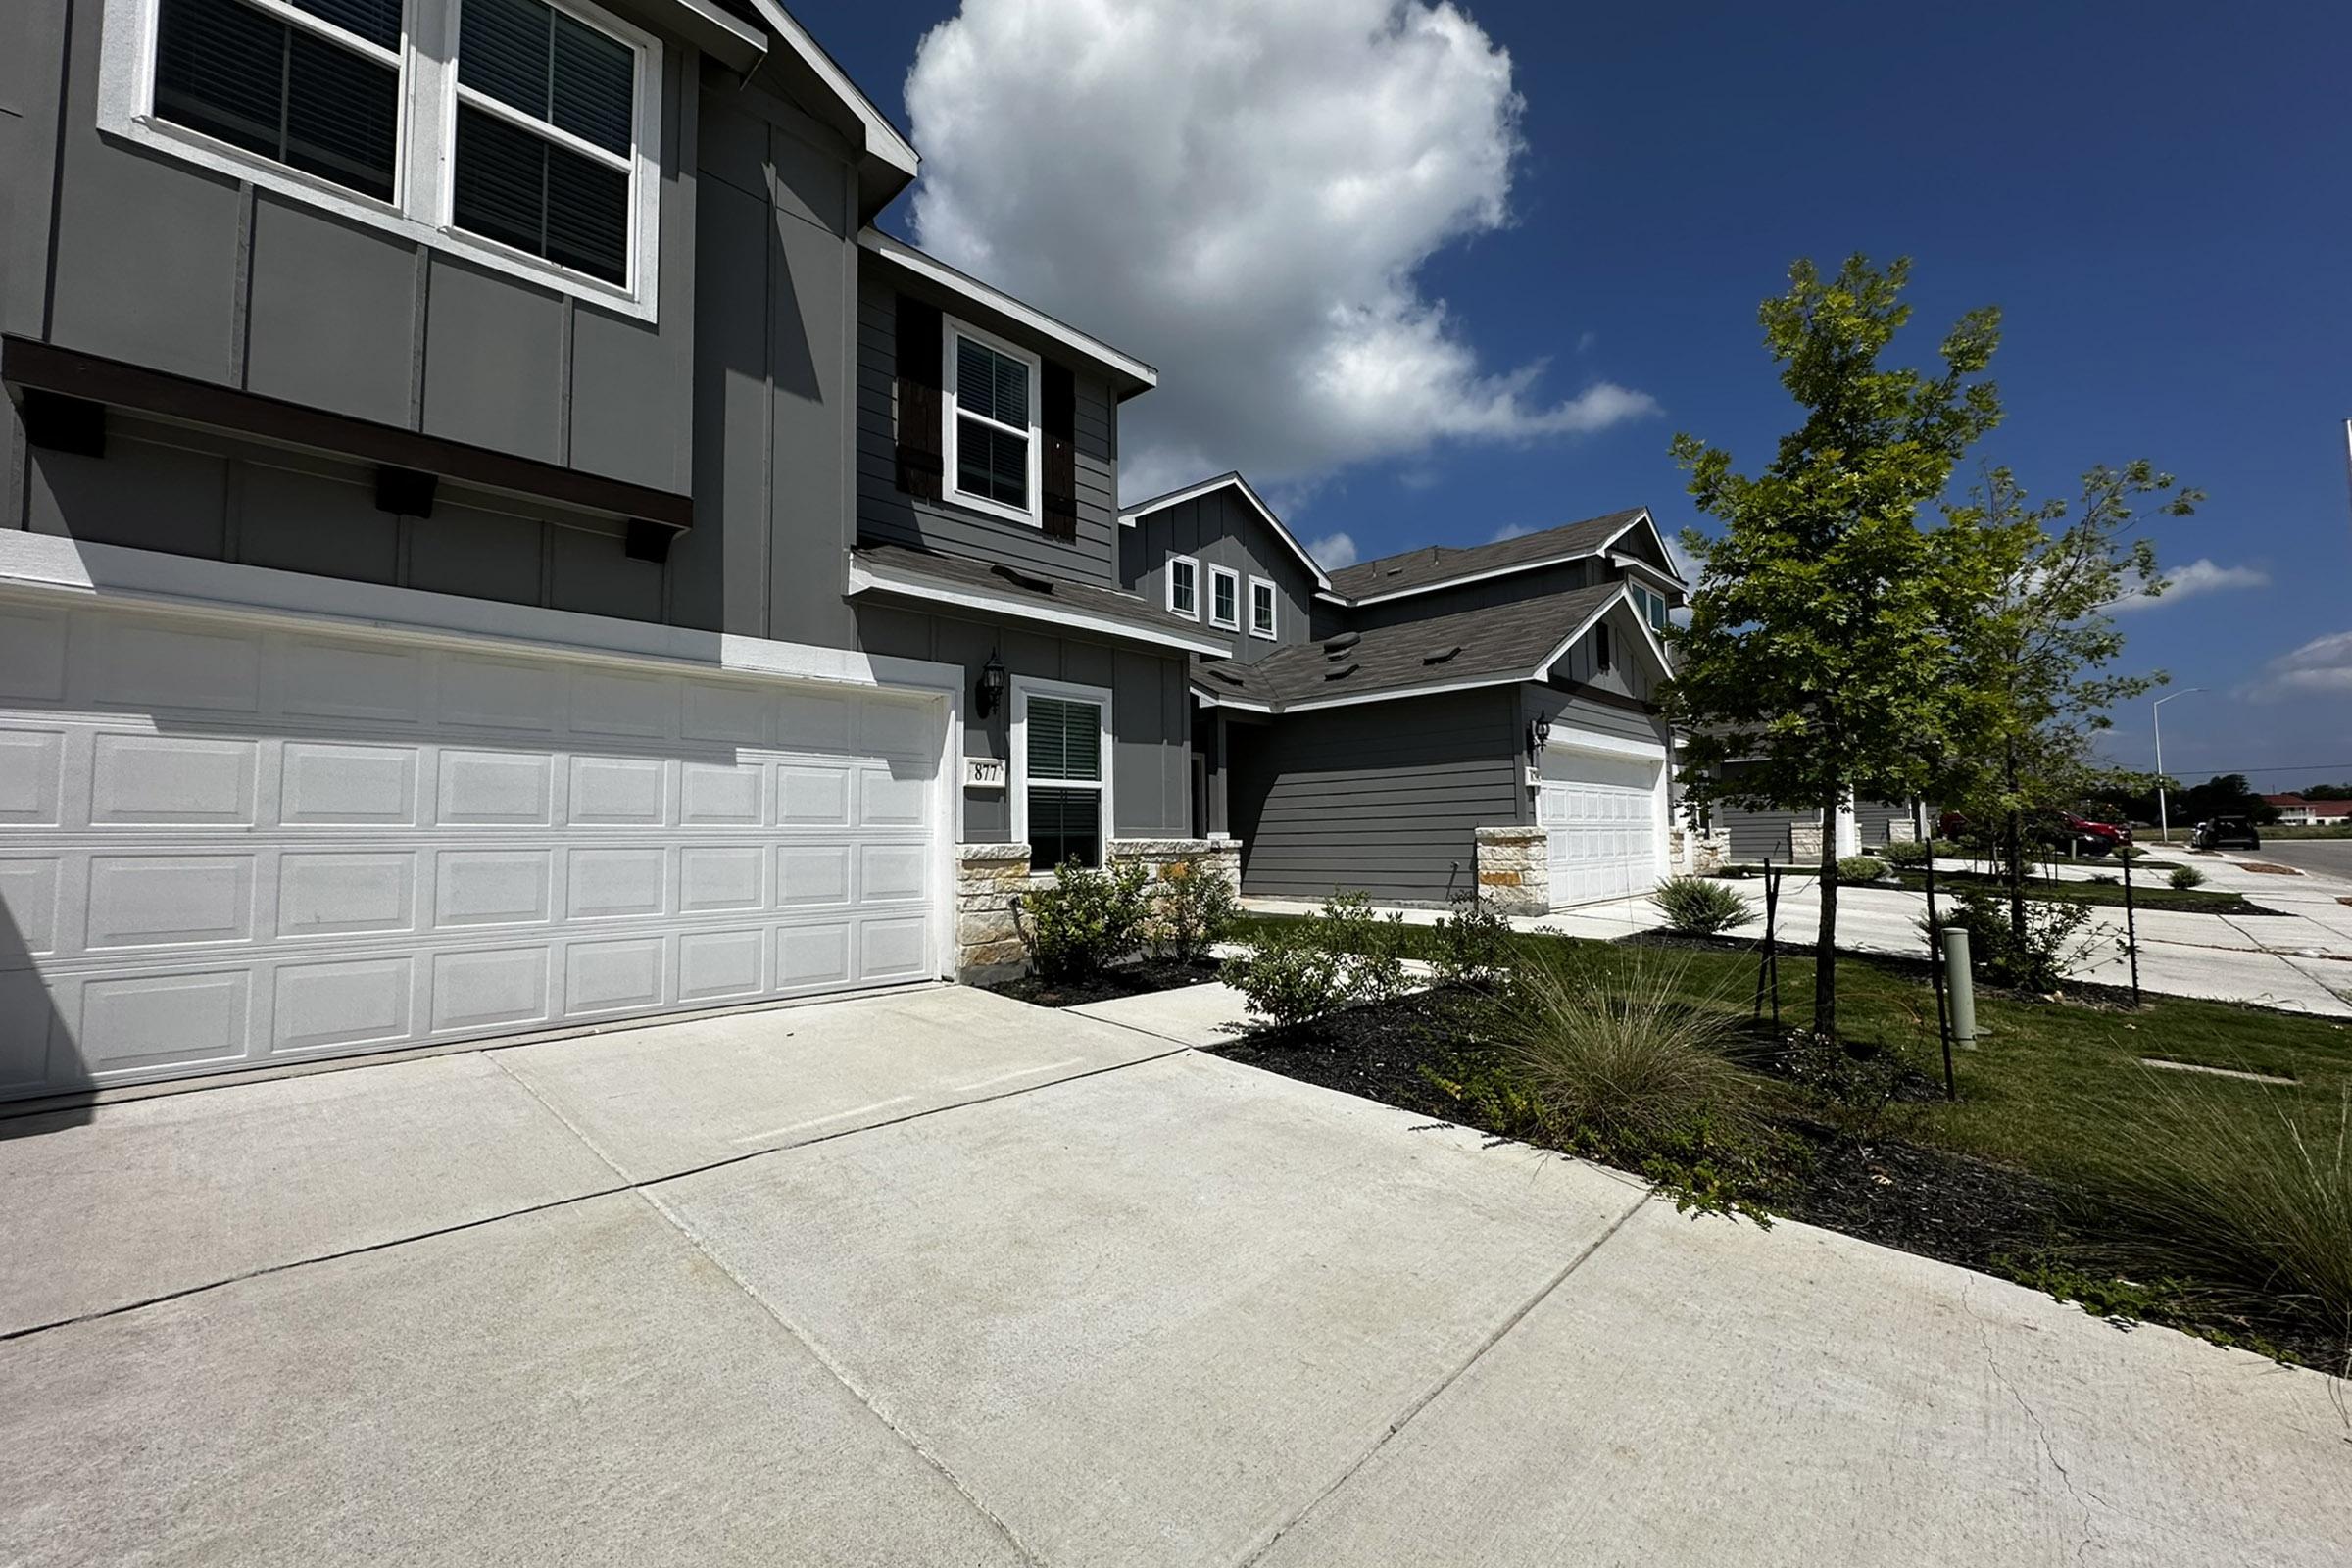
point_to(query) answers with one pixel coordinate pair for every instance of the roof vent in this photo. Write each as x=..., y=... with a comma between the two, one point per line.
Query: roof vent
x=1334, y=647
x=1341, y=673
x=1021, y=579
x=1231, y=677
x=1439, y=656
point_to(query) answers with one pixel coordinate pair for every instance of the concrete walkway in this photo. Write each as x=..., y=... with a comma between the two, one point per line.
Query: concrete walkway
x=2299, y=957
x=939, y=1278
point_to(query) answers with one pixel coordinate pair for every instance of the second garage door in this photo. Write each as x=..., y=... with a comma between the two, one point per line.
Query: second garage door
x=224, y=845
x=1601, y=815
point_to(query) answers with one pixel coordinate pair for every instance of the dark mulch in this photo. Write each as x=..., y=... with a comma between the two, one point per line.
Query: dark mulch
x=1131, y=980
x=1977, y=1214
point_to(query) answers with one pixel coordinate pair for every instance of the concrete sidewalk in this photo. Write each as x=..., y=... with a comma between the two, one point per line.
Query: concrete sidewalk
x=1050, y=1291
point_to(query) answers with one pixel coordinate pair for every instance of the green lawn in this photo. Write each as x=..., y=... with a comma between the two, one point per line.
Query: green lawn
x=2049, y=1080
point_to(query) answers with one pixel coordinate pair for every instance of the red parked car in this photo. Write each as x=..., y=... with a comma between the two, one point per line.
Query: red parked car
x=2065, y=830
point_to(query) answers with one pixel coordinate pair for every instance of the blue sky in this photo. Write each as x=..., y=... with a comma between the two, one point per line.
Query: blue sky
x=2156, y=196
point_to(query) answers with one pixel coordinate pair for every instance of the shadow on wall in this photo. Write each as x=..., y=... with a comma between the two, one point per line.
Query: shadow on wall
x=29, y=1029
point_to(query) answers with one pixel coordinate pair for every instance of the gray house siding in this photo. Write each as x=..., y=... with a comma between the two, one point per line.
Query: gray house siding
x=887, y=515
x=1221, y=529
x=161, y=264
x=1151, y=712
x=1872, y=818
x=1380, y=797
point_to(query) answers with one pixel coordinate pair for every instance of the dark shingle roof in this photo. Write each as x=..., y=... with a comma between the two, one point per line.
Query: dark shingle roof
x=1499, y=641
x=1436, y=563
x=1047, y=595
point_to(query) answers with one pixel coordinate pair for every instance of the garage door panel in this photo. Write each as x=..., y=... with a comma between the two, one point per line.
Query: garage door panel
x=31, y=777
x=1600, y=814
x=406, y=842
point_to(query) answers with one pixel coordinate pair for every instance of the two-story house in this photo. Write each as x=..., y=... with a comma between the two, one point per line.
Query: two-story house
x=491, y=539
x=1428, y=723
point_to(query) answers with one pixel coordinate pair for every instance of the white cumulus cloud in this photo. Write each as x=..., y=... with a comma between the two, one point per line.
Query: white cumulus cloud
x=1243, y=192
x=1333, y=550
x=2199, y=577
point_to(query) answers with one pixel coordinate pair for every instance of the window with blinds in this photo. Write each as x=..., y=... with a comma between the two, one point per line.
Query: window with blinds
x=544, y=129
x=1062, y=773
x=992, y=423
x=515, y=130
x=314, y=85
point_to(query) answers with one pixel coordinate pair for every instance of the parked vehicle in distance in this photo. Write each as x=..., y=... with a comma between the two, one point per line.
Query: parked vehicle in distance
x=2065, y=830
x=2225, y=833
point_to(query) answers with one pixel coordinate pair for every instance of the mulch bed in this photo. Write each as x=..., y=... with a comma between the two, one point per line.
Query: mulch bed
x=1975, y=1213
x=1132, y=980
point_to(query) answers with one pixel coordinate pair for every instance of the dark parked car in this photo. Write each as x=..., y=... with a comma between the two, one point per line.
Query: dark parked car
x=2225, y=833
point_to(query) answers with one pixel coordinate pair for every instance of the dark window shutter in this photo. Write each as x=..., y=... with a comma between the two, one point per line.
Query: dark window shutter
x=921, y=466
x=1059, y=418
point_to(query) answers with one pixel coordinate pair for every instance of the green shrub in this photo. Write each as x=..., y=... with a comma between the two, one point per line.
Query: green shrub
x=1085, y=921
x=1905, y=854
x=1850, y=1082
x=2054, y=939
x=1860, y=868
x=2247, y=1189
x=2186, y=877
x=1193, y=906
x=1623, y=1056
x=1699, y=906
x=1298, y=970
x=1474, y=943
x=2101, y=879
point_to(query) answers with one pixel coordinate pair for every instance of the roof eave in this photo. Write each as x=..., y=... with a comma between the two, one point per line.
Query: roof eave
x=1126, y=373
x=1129, y=515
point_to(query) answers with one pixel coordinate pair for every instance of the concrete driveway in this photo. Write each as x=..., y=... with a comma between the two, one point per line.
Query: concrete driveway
x=937, y=1278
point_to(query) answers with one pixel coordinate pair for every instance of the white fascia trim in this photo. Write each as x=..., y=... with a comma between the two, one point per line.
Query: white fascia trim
x=865, y=579
x=882, y=138
x=1036, y=320
x=52, y=565
x=1636, y=564
x=1596, y=742
x=1604, y=548
x=1623, y=596
x=1128, y=515
x=735, y=44
x=1208, y=698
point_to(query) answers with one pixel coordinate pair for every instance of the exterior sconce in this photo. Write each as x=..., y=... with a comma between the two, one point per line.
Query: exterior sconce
x=990, y=695
x=1539, y=735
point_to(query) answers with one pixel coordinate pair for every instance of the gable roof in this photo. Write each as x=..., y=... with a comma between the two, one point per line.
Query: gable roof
x=902, y=571
x=1434, y=566
x=1494, y=644
x=1129, y=515
x=1126, y=373
x=887, y=163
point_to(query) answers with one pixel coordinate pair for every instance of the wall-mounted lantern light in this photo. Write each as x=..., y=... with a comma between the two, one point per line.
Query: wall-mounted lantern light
x=1539, y=736
x=990, y=694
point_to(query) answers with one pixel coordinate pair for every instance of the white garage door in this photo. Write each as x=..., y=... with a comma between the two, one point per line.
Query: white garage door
x=1601, y=815
x=225, y=842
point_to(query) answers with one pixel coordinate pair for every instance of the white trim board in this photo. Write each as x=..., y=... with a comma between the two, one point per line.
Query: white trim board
x=882, y=138
x=865, y=578
x=1016, y=775
x=937, y=272
x=1594, y=742
x=1129, y=515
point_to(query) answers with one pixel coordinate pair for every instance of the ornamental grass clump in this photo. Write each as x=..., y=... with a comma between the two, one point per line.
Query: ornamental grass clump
x=2243, y=1188
x=1624, y=1053
x=2187, y=877
x=1700, y=906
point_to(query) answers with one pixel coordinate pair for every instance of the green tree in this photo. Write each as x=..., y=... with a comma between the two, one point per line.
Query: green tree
x=2034, y=642
x=1816, y=644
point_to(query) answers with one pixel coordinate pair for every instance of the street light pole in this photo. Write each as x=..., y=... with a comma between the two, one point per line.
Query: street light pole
x=2163, y=820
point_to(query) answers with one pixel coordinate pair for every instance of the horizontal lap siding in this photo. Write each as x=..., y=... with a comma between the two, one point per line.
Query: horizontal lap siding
x=1873, y=818
x=1381, y=798
x=887, y=514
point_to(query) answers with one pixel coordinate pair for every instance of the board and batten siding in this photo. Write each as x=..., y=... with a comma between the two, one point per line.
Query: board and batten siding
x=1221, y=529
x=887, y=514
x=1150, y=775
x=1381, y=798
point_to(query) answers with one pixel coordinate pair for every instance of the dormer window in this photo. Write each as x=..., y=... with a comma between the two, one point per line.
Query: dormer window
x=1262, y=607
x=1225, y=599
x=992, y=445
x=1184, y=587
x=1651, y=604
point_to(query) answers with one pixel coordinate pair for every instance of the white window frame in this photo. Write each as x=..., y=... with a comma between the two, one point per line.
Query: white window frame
x=1034, y=515
x=1273, y=609
x=1023, y=688
x=423, y=178
x=1217, y=574
x=1191, y=563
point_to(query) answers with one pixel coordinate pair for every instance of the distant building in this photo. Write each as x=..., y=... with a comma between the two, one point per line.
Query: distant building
x=2296, y=811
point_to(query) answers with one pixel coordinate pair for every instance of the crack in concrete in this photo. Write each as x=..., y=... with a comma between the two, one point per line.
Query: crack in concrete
x=2041, y=1433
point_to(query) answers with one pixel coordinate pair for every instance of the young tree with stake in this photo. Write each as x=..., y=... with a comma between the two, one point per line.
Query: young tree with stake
x=1817, y=651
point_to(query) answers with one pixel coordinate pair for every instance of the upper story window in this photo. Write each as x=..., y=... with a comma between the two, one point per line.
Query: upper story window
x=1262, y=607
x=522, y=133
x=1225, y=598
x=1651, y=604
x=1184, y=587
x=992, y=456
